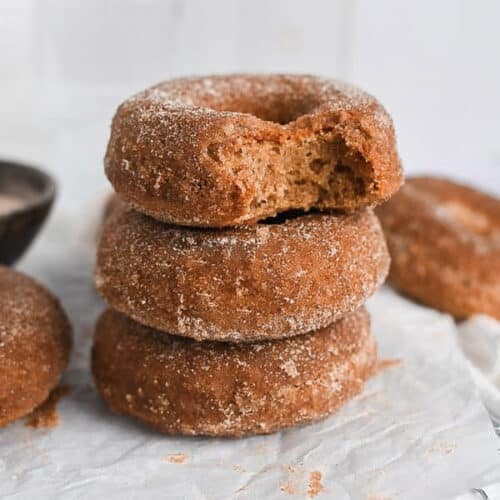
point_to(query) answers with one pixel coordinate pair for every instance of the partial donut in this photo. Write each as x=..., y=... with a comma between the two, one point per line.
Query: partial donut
x=227, y=150
x=271, y=280
x=35, y=342
x=179, y=386
x=111, y=203
x=444, y=240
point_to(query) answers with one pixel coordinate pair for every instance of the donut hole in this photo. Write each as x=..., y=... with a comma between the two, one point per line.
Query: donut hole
x=275, y=107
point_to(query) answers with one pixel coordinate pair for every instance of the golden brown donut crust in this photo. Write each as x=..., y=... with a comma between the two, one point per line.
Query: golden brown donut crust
x=240, y=284
x=179, y=386
x=444, y=241
x=227, y=150
x=35, y=342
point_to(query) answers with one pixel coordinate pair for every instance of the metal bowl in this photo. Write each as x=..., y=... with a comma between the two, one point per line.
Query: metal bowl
x=26, y=196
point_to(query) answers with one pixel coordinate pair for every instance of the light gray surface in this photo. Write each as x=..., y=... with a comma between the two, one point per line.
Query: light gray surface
x=479, y=339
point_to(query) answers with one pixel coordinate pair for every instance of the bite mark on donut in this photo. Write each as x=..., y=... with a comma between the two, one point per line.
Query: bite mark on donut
x=316, y=171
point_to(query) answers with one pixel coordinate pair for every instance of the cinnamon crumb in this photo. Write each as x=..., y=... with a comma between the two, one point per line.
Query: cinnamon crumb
x=261, y=448
x=177, y=458
x=385, y=364
x=288, y=488
x=315, y=486
x=442, y=447
x=45, y=415
x=297, y=482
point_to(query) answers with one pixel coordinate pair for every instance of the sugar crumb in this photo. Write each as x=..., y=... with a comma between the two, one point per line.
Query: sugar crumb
x=46, y=415
x=177, y=458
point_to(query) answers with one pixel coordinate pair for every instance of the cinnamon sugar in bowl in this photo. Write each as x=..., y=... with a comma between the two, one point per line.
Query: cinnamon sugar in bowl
x=26, y=196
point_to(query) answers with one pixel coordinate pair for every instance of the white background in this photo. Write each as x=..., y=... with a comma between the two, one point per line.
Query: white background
x=66, y=64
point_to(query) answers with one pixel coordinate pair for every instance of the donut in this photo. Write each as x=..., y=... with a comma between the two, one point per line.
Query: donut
x=227, y=150
x=278, y=278
x=444, y=240
x=180, y=386
x=111, y=203
x=35, y=342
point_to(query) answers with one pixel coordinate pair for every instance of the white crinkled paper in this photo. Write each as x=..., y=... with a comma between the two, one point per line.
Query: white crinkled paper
x=479, y=338
x=418, y=431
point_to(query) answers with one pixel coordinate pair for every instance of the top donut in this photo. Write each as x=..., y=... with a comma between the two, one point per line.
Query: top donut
x=230, y=150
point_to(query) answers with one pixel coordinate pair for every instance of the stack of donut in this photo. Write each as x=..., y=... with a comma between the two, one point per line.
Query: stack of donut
x=240, y=251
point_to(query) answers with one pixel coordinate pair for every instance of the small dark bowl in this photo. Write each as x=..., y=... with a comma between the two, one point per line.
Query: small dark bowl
x=31, y=193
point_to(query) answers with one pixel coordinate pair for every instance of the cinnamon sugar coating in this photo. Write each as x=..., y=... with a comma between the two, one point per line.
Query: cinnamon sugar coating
x=179, y=386
x=270, y=280
x=35, y=342
x=444, y=241
x=227, y=150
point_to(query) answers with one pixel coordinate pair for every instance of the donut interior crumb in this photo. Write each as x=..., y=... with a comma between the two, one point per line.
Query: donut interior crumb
x=316, y=171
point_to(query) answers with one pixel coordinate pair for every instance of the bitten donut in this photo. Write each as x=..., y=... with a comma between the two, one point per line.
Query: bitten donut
x=270, y=280
x=224, y=150
x=179, y=386
x=444, y=240
x=35, y=342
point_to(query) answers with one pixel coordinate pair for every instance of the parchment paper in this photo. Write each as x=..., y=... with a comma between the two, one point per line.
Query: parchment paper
x=418, y=431
x=479, y=338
